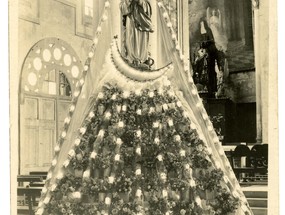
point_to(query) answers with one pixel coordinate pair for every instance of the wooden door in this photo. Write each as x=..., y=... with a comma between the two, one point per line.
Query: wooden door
x=38, y=133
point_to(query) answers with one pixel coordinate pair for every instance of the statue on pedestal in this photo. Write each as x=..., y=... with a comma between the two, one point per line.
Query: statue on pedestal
x=138, y=25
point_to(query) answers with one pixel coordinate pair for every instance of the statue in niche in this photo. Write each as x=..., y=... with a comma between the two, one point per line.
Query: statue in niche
x=214, y=19
x=137, y=26
x=209, y=62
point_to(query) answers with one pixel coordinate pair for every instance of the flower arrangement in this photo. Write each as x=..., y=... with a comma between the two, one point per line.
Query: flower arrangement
x=224, y=203
x=217, y=121
x=210, y=180
x=123, y=183
x=79, y=161
x=178, y=184
x=102, y=161
x=148, y=130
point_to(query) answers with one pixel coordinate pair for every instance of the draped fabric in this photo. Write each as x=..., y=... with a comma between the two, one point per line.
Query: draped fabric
x=103, y=68
x=137, y=27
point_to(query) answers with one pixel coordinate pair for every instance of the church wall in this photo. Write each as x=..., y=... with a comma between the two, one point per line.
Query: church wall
x=55, y=20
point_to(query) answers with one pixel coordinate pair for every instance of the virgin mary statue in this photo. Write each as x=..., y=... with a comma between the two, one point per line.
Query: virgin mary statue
x=137, y=23
x=138, y=142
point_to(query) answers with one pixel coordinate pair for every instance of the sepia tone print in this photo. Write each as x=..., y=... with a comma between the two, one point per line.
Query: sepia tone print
x=173, y=98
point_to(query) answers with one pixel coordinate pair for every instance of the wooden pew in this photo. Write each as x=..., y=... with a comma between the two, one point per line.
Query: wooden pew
x=30, y=191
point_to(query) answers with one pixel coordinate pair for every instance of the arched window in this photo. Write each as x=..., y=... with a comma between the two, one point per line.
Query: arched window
x=49, y=74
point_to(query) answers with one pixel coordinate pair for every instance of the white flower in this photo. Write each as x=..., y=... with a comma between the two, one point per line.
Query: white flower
x=108, y=115
x=63, y=134
x=99, y=29
x=199, y=104
x=86, y=174
x=138, y=172
x=179, y=104
x=77, y=142
x=119, y=141
x=194, y=92
x=54, y=162
x=151, y=110
x=170, y=122
x=126, y=94
x=91, y=114
x=67, y=120
x=192, y=183
x=177, y=138
x=163, y=176
x=138, y=133
x=44, y=190
x=164, y=193
x=187, y=166
x=138, y=193
x=151, y=94
x=46, y=200
x=40, y=211
x=198, y=200
x=138, y=150
x=57, y=148
x=159, y=157
x=167, y=83
x=111, y=180
x=72, y=108
x=193, y=126
x=124, y=108
x=71, y=153
x=155, y=124
x=100, y=95
x=91, y=54
x=209, y=151
x=185, y=114
x=218, y=165
x=53, y=187
x=82, y=130
x=165, y=15
x=114, y=97
x=139, y=112
x=138, y=92
x=156, y=140
x=49, y=175
x=165, y=107
x=66, y=163
x=59, y=176
x=118, y=107
x=101, y=133
x=107, y=200
x=117, y=157
x=86, y=67
x=95, y=40
x=210, y=128
x=121, y=124
x=76, y=93
x=93, y=155
x=182, y=153
x=171, y=93
x=107, y=4
x=76, y=195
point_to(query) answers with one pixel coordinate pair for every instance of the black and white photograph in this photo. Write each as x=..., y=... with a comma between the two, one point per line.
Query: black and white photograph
x=143, y=107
